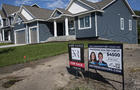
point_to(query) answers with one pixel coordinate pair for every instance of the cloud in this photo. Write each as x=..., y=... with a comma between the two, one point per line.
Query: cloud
x=56, y=4
x=94, y=0
x=19, y=2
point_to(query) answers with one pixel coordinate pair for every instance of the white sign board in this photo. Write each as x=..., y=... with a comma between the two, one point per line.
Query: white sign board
x=107, y=58
x=75, y=52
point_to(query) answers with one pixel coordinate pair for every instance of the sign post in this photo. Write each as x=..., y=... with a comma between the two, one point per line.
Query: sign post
x=76, y=56
x=107, y=57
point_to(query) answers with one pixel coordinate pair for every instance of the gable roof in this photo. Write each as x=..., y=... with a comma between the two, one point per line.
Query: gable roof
x=98, y=5
x=129, y=7
x=64, y=11
x=39, y=13
x=101, y=4
x=2, y=14
x=10, y=9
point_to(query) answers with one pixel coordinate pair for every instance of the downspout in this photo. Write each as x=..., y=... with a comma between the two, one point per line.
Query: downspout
x=38, y=32
x=27, y=35
x=96, y=26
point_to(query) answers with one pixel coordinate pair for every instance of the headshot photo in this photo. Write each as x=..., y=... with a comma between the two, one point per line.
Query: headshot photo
x=93, y=59
x=100, y=60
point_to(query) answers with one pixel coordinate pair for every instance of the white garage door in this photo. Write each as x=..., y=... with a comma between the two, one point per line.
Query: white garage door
x=20, y=37
x=33, y=35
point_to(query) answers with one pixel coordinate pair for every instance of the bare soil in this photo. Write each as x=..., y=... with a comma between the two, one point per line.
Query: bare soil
x=52, y=74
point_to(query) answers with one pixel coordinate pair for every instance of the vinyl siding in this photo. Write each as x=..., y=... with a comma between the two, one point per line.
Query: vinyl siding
x=86, y=33
x=45, y=30
x=109, y=24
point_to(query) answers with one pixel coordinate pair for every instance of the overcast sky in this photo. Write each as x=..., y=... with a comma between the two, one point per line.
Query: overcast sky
x=52, y=4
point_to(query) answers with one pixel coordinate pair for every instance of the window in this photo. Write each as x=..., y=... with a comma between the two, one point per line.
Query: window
x=122, y=23
x=85, y=22
x=81, y=22
x=130, y=25
x=71, y=24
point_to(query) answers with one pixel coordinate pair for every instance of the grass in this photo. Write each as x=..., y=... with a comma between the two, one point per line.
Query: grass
x=16, y=55
x=1, y=44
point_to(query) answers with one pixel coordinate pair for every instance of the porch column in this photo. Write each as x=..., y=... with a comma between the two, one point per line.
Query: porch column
x=55, y=28
x=9, y=35
x=0, y=36
x=3, y=35
x=66, y=26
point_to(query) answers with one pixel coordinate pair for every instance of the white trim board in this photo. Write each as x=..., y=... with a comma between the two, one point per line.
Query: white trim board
x=55, y=11
x=30, y=33
x=89, y=21
x=26, y=14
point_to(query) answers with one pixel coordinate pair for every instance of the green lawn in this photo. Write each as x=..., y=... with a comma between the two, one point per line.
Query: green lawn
x=4, y=44
x=15, y=55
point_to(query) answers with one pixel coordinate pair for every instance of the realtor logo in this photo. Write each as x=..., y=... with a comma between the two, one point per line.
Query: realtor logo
x=75, y=52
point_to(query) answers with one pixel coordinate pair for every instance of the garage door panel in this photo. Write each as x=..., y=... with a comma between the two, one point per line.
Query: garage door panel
x=33, y=32
x=20, y=37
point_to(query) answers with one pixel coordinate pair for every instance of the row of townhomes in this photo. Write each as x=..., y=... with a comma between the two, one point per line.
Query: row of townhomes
x=108, y=19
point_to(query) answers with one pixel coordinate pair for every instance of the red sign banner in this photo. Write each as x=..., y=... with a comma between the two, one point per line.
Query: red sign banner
x=77, y=64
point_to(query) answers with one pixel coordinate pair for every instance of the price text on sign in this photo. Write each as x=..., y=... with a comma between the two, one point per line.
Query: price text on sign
x=106, y=57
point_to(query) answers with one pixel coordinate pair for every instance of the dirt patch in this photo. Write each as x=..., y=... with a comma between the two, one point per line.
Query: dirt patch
x=52, y=74
x=10, y=83
x=7, y=82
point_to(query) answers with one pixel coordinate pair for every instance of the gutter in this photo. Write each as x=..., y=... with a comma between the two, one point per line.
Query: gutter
x=74, y=15
x=136, y=16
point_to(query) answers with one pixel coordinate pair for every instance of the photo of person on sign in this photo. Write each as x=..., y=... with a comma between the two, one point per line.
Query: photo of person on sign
x=100, y=60
x=93, y=59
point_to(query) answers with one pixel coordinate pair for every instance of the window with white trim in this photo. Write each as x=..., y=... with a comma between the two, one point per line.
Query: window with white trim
x=130, y=25
x=84, y=22
x=122, y=23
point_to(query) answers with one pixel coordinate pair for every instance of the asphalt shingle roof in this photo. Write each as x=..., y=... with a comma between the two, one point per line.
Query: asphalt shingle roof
x=98, y=5
x=64, y=11
x=2, y=14
x=39, y=13
x=10, y=9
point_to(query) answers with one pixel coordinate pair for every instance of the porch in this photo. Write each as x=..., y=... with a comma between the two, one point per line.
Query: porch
x=63, y=26
x=5, y=35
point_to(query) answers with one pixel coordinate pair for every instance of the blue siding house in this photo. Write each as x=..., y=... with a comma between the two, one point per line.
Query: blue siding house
x=107, y=19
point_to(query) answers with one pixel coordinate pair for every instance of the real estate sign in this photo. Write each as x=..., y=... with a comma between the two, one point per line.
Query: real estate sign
x=76, y=56
x=106, y=57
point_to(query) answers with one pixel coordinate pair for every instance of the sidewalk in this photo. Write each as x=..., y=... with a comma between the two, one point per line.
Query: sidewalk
x=12, y=45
